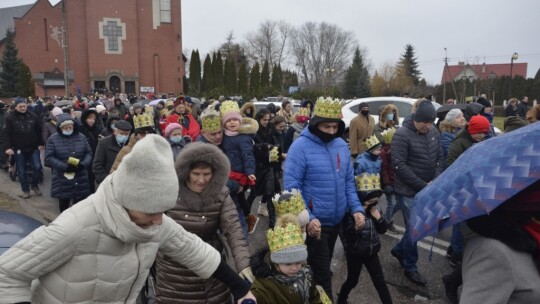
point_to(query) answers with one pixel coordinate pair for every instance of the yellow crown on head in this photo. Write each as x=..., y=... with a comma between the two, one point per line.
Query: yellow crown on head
x=371, y=142
x=328, y=108
x=211, y=119
x=303, y=112
x=169, y=102
x=388, y=134
x=229, y=106
x=283, y=237
x=145, y=119
x=368, y=182
x=295, y=204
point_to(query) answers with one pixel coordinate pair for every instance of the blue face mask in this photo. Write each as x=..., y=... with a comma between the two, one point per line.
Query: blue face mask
x=489, y=116
x=121, y=139
x=176, y=139
x=67, y=133
x=390, y=116
x=112, y=126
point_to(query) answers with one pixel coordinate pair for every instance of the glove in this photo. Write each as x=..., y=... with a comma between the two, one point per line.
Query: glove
x=73, y=162
x=247, y=274
x=388, y=189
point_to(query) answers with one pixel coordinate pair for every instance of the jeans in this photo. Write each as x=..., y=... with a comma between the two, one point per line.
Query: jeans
x=21, y=158
x=406, y=247
x=320, y=252
x=391, y=207
x=457, y=241
x=354, y=267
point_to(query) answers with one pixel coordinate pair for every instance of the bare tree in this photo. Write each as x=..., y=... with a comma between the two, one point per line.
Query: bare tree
x=322, y=51
x=269, y=42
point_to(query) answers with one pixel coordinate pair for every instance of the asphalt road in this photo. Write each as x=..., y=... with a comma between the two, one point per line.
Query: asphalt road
x=432, y=261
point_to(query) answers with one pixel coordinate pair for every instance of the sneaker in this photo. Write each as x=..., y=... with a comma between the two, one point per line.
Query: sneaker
x=252, y=221
x=263, y=210
x=392, y=229
x=25, y=195
x=451, y=289
x=415, y=277
x=36, y=190
x=398, y=256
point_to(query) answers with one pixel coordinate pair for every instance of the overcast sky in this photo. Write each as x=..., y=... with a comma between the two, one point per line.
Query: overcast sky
x=474, y=31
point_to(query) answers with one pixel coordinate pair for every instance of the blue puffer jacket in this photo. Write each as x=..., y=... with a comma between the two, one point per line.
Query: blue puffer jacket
x=323, y=172
x=239, y=150
x=58, y=149
x=446, y=140
x=367, y=163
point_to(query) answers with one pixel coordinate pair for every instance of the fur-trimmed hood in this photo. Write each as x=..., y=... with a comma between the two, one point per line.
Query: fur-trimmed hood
x=388, y=109
x=210, y=154
x=246, y=106
x=249, y=126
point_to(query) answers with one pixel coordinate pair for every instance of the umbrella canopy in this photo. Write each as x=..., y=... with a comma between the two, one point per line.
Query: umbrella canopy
x=482, y=178
x=156, y=101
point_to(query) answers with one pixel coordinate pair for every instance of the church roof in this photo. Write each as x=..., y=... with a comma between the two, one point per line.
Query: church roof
x=6, y=17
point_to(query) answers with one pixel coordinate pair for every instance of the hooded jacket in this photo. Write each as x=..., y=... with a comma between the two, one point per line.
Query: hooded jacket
x=248, y=106
x=323, y=172
x=57, y=151
x=383, y=122
x=94, y=253
x=91, y=132
x=203, y=214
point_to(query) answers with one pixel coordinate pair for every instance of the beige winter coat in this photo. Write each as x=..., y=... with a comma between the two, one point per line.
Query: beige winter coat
x=361, y=127
x=93, y=253
x=209, y=215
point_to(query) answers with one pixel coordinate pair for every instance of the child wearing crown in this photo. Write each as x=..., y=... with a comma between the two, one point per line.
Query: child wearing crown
x=281, y=274
x=369, y=161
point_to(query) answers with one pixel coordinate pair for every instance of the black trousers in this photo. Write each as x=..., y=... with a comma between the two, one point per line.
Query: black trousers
x=320, y=253
x=64, y=204
x=354, y=267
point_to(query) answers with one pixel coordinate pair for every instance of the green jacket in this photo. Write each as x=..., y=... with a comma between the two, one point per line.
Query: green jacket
x=269, y=291
x=462, y=142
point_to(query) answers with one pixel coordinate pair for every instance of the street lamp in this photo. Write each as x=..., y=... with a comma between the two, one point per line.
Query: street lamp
x=514, y=57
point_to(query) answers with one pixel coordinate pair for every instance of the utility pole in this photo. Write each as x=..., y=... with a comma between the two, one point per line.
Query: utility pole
x=444, y=84
x=65, y=49
x=447, y=70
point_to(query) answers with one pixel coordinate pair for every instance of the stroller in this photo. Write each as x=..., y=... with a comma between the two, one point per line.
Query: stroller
x=13, y=172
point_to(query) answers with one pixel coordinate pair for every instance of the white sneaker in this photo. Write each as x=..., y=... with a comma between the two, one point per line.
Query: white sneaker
x=263, y=210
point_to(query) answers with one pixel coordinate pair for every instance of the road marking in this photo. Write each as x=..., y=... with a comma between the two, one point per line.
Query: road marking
x=423, y=244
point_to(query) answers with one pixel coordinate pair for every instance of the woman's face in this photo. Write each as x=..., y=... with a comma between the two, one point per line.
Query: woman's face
x=280, y=127
x=459, y=121
x=287, y=108
x=199, y=178
x=180, y=109
x=68, y=127
x=91, y=120
x=264, y=120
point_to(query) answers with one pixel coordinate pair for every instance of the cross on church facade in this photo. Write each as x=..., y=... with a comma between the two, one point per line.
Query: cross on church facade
x=112, y=31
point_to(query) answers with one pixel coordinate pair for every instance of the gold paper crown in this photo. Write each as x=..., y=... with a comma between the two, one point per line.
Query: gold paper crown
x=295, y=204
x=328, y=108
x=388, y=134
x=371, y=142
x=143, y=120
x=368, y=182
x=303, y=112
x=229, y=106
x=283, y=237
x=273, y=155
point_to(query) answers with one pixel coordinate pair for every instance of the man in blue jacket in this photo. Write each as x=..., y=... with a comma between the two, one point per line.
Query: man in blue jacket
x=319, y=165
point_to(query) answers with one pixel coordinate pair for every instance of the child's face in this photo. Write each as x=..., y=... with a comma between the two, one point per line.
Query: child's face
x=289, y=269
x=376, y=152
x=232, y=125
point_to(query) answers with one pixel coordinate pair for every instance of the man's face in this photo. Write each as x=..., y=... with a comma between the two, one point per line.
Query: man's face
x=526, y=99
x=364, y=109
x=21, y=107
x=423, y=127
x=328, y=127
x=214, y=137
x=145, y=220
x=120, y=132
x=199, y=179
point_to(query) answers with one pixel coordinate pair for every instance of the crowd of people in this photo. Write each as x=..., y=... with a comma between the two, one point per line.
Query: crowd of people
x=162, y=182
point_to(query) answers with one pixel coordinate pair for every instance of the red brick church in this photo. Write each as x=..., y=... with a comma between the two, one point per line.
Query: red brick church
x=123, y=46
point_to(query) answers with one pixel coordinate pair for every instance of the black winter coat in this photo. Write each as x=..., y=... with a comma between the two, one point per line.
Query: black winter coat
x=58, y=149
x=22, y=131
x=366, y=241
x=106, y=152
x=417, y=158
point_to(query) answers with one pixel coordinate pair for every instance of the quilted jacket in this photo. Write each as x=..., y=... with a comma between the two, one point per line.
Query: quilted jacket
x=323, y=172
x=94, y=253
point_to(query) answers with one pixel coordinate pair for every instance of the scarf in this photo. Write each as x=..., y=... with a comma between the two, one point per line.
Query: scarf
x=231, y=133
x=300, y=283
x=325, y=137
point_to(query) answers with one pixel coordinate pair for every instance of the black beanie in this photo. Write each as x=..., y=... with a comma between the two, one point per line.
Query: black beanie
x=425, y=112
x=123, y=125
x=484, y=102
x=367, y=195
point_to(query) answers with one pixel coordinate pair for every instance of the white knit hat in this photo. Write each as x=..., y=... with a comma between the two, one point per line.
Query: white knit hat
x=146, y=180
x=100, y=108
x=56, y=111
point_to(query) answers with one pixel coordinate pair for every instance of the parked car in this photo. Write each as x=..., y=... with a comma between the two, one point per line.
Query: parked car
x=262, y=105
x=15, y=227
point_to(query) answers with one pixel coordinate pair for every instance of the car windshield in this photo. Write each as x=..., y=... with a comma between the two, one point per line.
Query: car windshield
x=404, y=108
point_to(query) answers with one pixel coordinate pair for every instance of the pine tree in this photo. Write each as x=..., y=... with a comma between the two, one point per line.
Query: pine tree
x=207, y=78
x=357, y=79
x=25, y=83
x=277, y=79
x=242, y=81
x=231, y=83
x=408, y=64
x=10, y=67
x=217, y=71
x=255, y=80
x=195, y=73
x=265, y=78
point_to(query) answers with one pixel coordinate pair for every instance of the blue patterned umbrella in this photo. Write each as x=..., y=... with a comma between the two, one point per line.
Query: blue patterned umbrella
x=482, y=178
